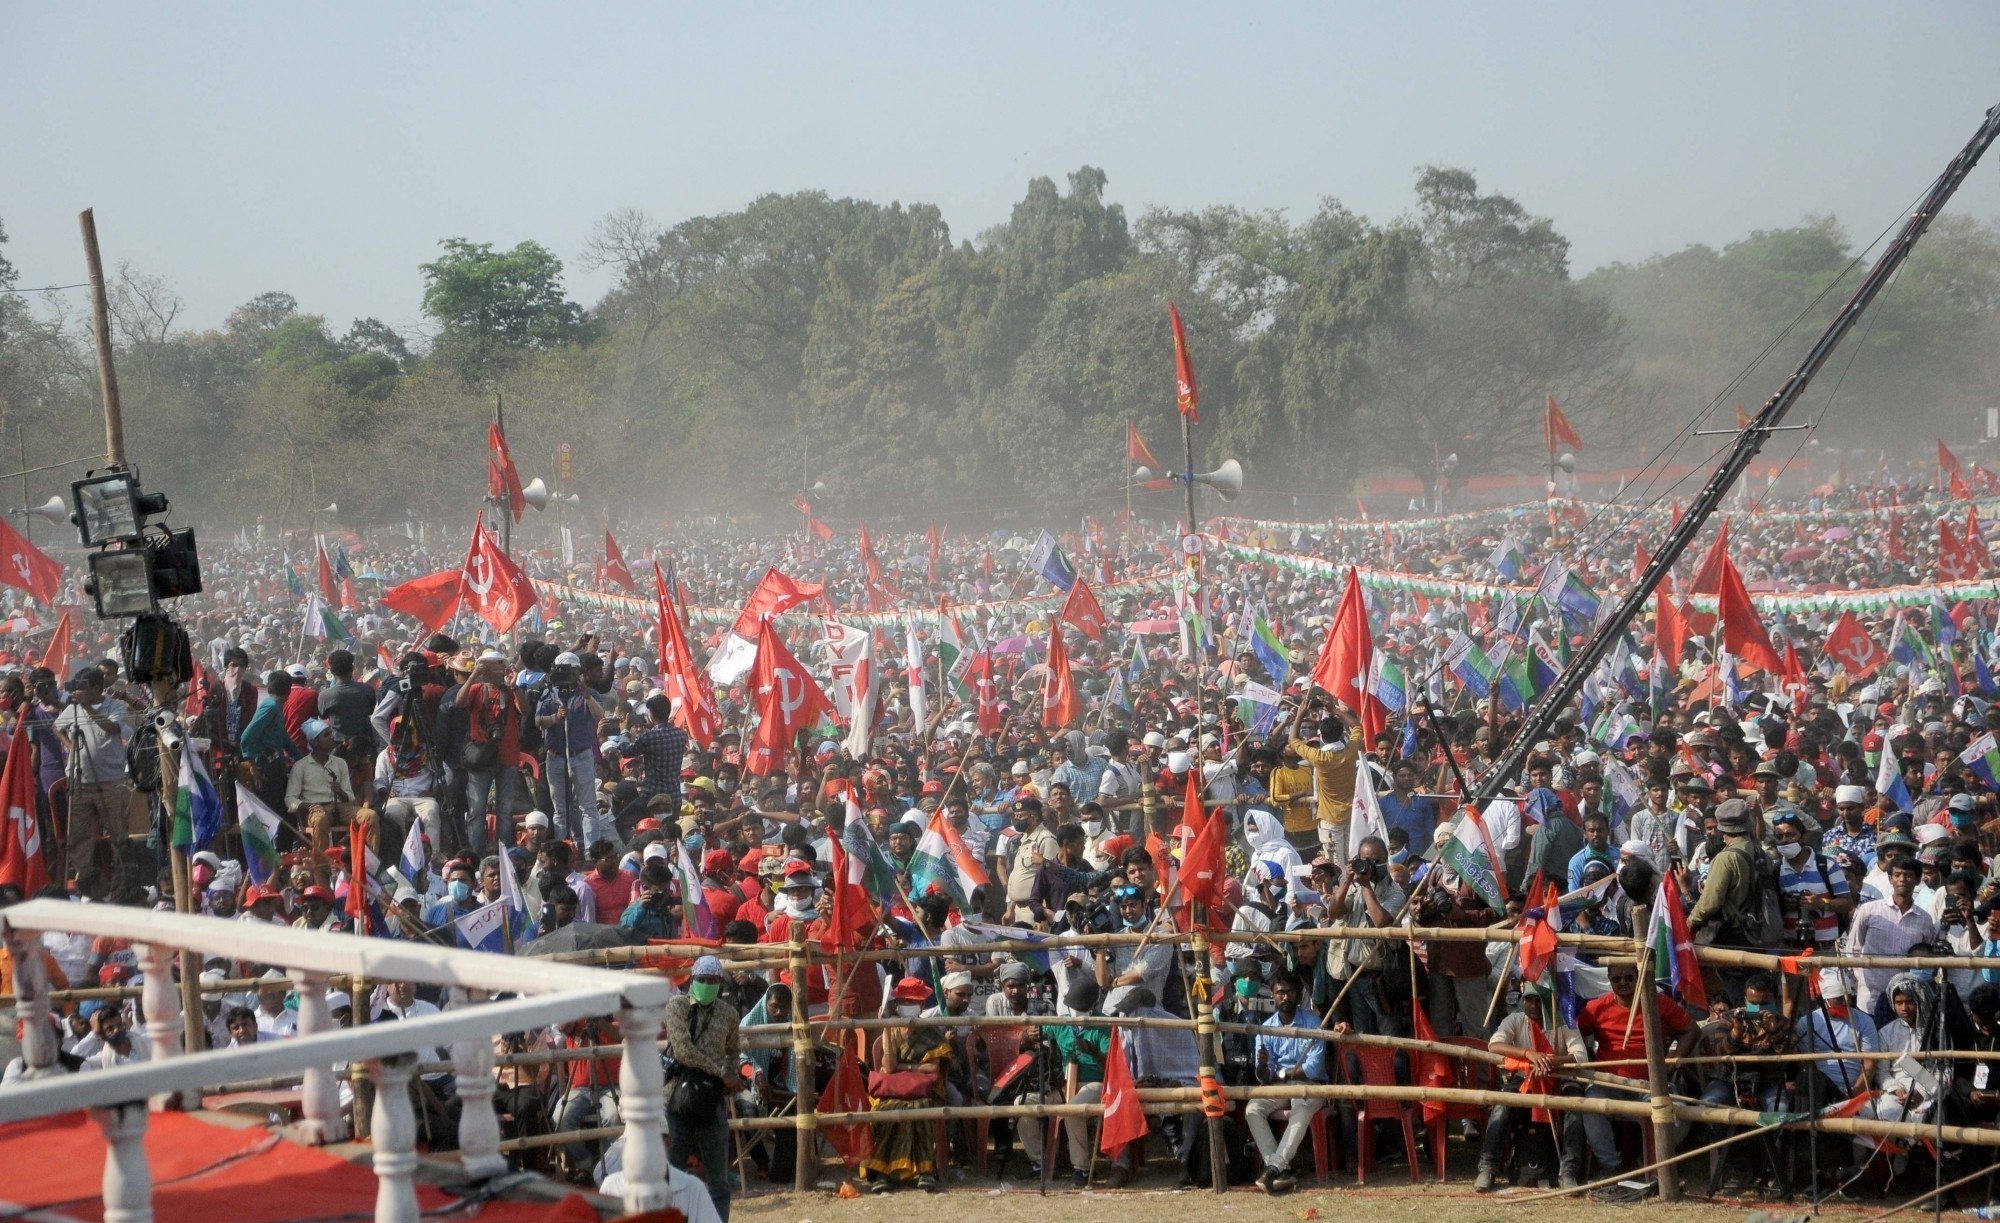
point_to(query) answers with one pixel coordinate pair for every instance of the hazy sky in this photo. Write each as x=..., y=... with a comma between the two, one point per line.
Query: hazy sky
x=325, y=149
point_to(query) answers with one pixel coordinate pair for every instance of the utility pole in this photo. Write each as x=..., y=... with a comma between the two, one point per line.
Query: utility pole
x=107, y=376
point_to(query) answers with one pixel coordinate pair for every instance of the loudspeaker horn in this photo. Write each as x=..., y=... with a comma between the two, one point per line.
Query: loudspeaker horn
x=536, y=494
x=1226, y=479
x=1143, y=473
x=332, y=507
x=55, y=509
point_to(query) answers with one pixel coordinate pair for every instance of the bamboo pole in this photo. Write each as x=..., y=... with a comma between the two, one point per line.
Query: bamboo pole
x=1656, y=1064
x=805, y=1162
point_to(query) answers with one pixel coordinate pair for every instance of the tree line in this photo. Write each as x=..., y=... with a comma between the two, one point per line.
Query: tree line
x=859, y=350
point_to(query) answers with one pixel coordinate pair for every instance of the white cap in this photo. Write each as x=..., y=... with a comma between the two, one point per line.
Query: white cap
x=297, y=670
x=956, y=980
x=1021, y=769
x=567, y=659
x=1832, y=984
x=338, y=998
x=1154, y=739
x=657, y=849
x=1850, y=794
x=492, y=656
x=538, y=819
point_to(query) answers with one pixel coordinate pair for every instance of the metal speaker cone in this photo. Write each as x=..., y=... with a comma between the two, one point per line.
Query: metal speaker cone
x=1144, y=472
x=55, y=509
x=536, y=493
x=1226, y=479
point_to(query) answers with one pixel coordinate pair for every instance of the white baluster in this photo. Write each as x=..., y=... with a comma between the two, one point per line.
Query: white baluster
x=393, y=1130
x=160, y=995
x=31, y=1004
x=642, y=1106
x=320, y=1119
x=478, y=1125
x=128, y=1179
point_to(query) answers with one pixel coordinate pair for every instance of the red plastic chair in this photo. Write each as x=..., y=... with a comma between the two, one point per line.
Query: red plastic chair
x=1003, y=1045
x=1479, y=1076
x=1378, y=1069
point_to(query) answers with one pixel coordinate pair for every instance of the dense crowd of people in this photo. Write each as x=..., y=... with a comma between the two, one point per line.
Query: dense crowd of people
x=1843, y=807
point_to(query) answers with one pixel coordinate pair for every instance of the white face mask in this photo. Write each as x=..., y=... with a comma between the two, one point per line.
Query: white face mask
x=909, y=1010
x=795, y=908
x=1093, y=828
x=1792, y=850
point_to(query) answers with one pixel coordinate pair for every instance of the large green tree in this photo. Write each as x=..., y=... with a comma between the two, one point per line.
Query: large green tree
x=493, y=307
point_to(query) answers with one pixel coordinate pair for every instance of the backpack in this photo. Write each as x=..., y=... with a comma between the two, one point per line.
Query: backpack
x=1759, y=922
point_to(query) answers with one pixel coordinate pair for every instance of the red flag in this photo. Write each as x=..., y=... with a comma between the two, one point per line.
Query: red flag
x=1686, y=966
x=1538, y=949
x=985, y=692
x=775, y=595
x=1082, y=610
x=1669, y=627
x=1203, y=871
x=1060, y=703
x=494, y=586
x=328, y=588
x=788, y=701
x=1557, y=432
x=1742, y=417
x=1973, y=541
x=1345, y=659
x=56, y=656
x=1894, y=538
x=1708, y=574
x=1431, y=1070
x=503, y=482
x=615, y=569
x=431, y=600
x=1958, y=488
x=1743, y=631
x=1947, y=461
x=694, y=701
x=1640, y=559
x=1795, y=679
x=1984, y=481
x=846, y=1091
x=1124, y=1116
x=1136, y=451
x=1185, y=393
x=1956, y=563
x=25, y=567
x=1850, y=646
x=934, y=540
x=21, y=838
x=854, y=916
x=349, y=599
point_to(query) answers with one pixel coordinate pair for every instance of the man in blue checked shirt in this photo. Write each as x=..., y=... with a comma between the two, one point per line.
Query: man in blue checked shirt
x=1285, y=1059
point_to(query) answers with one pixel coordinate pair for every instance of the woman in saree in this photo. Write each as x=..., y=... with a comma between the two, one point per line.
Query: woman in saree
x=908, y=1071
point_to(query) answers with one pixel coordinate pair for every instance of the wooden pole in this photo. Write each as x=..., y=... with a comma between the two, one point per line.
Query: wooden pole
x=1206, y=1042
x=1656, y=1065
x=805, y=1162
x=100, y=317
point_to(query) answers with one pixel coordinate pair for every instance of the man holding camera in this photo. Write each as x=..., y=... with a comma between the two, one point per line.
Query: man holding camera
x=568, y=714
x=93, y=728
x=1366, y=896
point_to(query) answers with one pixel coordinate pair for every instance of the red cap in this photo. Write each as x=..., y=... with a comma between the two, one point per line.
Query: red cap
x=933, y=786
x=795, y=868
x=748, y=862
x=649, y=824
x=317, y=892
x=716, y=860
x=911, y=989
x=1114, y=847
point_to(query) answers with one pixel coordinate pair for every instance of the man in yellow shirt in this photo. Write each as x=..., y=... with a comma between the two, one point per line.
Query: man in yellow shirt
x=1332, y=761
x=1291, y=788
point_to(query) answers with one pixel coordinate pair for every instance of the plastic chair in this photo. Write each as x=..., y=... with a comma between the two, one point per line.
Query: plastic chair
x=1326, y=1146
x=1003, y=1045
x=1378, y=1069
x=1479, y=1076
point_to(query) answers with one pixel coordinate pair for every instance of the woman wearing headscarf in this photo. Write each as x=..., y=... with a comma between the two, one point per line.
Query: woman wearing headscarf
x=908, y=1071
x=1265, y=834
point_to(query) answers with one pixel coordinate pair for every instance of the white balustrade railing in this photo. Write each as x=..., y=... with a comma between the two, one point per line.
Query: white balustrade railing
x=119, y=1098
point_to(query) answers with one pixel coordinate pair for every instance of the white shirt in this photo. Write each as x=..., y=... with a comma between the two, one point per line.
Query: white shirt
x=1502, y=818
x=279, y=1026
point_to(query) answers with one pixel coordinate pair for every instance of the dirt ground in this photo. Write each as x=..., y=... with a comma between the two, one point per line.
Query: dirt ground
x=1454, y=1202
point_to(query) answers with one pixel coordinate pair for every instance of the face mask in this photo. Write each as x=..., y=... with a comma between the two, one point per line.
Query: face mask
x=1245, y=987
x=1753, y=1008
x=461, y=891
x=1792, y=850
x=1837, y=1009
x=705, y=992
x=1093, y=828
x=909, y=1010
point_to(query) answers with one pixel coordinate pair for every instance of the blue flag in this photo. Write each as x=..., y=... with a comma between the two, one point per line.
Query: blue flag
x=1047, y=559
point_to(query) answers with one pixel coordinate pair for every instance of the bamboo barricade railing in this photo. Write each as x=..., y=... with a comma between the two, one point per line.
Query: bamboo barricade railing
x=1660, y=1108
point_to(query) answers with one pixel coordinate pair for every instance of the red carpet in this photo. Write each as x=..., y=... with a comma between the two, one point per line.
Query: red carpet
x=206, y=1173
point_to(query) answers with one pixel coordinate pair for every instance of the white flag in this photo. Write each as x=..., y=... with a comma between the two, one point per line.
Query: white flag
x=913, y=665
x=1365, y=820
x=855, y=682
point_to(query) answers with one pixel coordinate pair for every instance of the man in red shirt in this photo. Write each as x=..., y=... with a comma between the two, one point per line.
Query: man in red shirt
x=1603, y=1022
x=718, y=885
x=609, y=886
x=301, y=703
